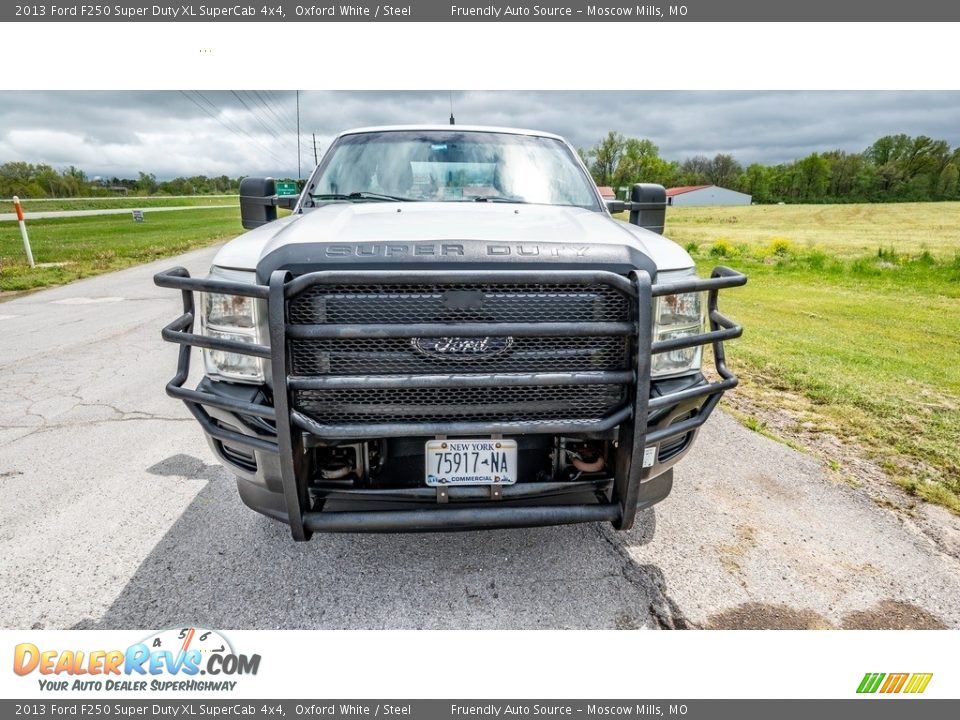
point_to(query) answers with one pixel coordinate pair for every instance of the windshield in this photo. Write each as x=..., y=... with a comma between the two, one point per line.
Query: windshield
x=452, y=166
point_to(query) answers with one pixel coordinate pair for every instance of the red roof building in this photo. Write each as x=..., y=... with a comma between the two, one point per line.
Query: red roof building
x=684, y=189
x=704, y=195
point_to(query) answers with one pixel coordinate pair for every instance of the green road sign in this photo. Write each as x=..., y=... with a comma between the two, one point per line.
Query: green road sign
x=287, y=188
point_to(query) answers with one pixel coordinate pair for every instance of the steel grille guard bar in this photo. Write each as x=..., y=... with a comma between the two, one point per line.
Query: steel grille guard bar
x=631, y=419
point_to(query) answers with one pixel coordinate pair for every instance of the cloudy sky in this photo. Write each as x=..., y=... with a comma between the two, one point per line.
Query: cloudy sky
x=119, y=133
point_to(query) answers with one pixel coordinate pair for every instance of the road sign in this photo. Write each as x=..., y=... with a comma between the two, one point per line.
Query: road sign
x=286, y=189
x=138, y=215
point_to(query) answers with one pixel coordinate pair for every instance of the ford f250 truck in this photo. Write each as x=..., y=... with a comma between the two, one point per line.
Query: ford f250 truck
x=450, y=331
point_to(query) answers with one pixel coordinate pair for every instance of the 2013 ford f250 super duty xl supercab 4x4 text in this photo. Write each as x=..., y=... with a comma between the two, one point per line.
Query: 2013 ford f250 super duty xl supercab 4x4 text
x=450, y=331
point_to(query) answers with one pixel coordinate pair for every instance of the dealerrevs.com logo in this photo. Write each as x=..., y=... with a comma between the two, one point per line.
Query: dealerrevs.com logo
x=169, y=660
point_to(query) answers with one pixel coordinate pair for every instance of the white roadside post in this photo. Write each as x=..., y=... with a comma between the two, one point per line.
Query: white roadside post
x=23, y=230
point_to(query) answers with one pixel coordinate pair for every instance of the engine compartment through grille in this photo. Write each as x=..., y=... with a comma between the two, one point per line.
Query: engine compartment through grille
x=398, y=353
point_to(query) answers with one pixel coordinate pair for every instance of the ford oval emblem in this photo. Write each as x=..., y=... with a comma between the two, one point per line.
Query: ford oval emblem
x=461, y=347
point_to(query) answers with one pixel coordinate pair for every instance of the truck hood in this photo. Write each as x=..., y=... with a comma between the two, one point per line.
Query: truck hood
x=425, y=233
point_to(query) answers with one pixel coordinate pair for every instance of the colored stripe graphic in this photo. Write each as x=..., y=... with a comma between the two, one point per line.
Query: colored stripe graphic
x=895, y=683
x=918, y=683
x=870, y=682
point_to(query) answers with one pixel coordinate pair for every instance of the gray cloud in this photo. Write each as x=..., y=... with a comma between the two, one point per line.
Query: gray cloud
x=220, y=132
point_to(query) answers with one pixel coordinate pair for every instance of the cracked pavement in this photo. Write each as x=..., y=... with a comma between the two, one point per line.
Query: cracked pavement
x=114, y=514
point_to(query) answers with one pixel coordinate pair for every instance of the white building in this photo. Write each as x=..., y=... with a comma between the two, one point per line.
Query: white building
x=705, y=195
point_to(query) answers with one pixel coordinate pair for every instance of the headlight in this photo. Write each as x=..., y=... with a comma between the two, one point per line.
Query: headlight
x=232, y=317
x=677, y=316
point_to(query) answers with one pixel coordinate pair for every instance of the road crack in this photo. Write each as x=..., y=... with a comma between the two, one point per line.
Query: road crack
x=649, y=581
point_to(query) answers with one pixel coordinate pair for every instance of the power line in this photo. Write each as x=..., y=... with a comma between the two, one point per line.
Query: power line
x=269, y=107
x=265, y=125
x=281, y=108
x=217, y=109
x=216, y=115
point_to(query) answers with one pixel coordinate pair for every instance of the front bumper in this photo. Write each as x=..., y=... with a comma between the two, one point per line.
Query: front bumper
x=244, y=426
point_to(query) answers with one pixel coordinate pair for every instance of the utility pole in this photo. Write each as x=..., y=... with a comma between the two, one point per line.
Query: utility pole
x=314, y=149
x=299, y=169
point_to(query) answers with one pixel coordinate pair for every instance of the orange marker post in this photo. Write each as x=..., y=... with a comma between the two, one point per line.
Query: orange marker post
x=23, y=230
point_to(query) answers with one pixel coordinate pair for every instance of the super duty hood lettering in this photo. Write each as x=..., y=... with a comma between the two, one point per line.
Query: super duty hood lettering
x=399, y=250
x=303, y=257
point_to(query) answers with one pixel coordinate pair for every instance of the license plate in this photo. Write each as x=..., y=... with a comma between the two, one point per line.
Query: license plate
x=471, y=462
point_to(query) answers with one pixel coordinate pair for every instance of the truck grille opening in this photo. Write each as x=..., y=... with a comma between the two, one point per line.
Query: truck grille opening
x=495, y=404
x=401, y=304
x=394, y=304
x=399, y=355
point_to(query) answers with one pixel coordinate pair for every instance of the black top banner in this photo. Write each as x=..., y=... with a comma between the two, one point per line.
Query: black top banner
x=485, y=11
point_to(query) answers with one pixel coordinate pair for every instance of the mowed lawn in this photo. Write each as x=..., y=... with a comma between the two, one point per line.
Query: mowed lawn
x=852, y=327
x=66, y=249
x=120, y=201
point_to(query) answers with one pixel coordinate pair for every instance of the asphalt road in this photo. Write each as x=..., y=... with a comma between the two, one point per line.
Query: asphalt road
x=114, y=514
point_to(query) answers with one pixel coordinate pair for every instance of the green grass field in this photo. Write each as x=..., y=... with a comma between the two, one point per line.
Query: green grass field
x=852, y=327
x=96, y=244
x=50, y=204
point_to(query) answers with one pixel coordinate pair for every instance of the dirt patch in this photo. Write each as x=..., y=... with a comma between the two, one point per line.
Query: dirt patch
x=732, y=553
x=886, y=615
x=892, y=615
x=762, y=616
x=847, y=463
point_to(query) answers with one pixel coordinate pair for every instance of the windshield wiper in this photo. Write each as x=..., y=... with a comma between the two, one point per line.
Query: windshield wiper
x=363, y=195
x=497, y=198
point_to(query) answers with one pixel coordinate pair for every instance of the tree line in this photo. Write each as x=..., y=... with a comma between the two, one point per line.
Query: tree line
x=895, y=168
x=43, y=181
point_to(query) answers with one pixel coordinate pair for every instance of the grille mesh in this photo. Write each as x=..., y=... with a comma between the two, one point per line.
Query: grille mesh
x=397, y=355
x=393, y=304
x=503, y=404
x=396, y=304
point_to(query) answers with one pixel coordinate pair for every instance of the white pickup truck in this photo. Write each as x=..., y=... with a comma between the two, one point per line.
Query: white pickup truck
x=450, y=331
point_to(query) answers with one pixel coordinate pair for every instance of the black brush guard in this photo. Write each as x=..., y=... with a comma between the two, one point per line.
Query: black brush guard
x=627, y=494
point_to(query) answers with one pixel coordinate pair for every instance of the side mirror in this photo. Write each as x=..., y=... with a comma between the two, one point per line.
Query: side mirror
x=648, y=206
x=258, y=198
x=615, y=206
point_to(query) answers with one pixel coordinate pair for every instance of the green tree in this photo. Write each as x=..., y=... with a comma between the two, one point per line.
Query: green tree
x=724, y=170
x=948, y=183
x=147, y=183
x=605, y=157
x=755, y=181
x=641, y=162
x=695, y=171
